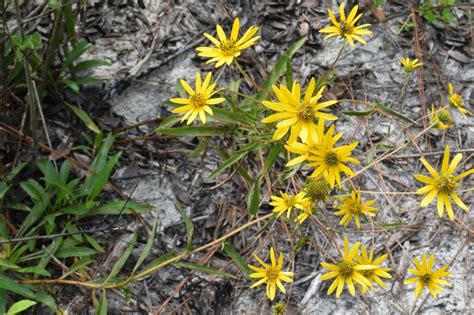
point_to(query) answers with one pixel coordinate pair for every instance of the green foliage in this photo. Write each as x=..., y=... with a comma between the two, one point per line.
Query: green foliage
x=54, y=202
x=55, y=61
x=442, y=12
x=378, y=3
x=20, y=306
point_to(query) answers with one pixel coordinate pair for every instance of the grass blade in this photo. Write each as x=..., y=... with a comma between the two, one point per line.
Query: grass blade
x=394, y=113
x=204, y=269
x=236, y=258
x=122, y=260
x=146, y=250
x=234, y=158
x=193, y=131
x=102, y=307
x=188, y=223
x=253, y=201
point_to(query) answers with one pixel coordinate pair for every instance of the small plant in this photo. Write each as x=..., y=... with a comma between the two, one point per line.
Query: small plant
x=443, y=12
x=52, y=209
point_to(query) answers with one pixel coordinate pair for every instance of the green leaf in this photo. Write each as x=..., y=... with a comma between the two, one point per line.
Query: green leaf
x=102, y=307
x=54, y=4
x=193, y=131
x=70, y=21
x=275, y=150
x=234, y=158
x=33, y=189
x=204, y=269
x=100, y=169
x=32, y=41
x=253, y=201
x=202, y=146
x=378, y=3
x=353, y=113
x=188, y=223
x=3, y=301
x=392, y=225
x=72, y=85
x=394, y=113
x=234, y=96
x=230, y=117
x=16, y=41
x=289, y=74
x=75, y=53
x=90, y=64
x=11, y=285
x=149, y=244
x=20, y=306
x=89, y=80
x=236, y=258
x=14, y=172
x=35, y=270
x=84, y=261
x=6, y=264
x=447, y=15
x=169, y=121
x=82, y=115
x=3, y=189
x=122, y=260
x=75, y=252
x=278, y=69
x=115, y=207
x=159, y=260
x=94, y=243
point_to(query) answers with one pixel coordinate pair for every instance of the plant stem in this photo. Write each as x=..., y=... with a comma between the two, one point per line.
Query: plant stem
x=29, y=81
x=339, y=54
x=246, y=75
x=146, y=272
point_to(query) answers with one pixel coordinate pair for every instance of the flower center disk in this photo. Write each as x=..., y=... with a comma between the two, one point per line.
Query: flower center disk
x=346, y=269
x=331, y=159
x=445, y=184
x=346, y=29
x=228, y=48
x=272, y=273
x=290, y=201
x=305, y=112
x=198, y=100
x=425, y=279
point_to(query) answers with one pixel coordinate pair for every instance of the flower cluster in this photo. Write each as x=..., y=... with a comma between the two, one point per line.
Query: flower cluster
x=425, y=277
x=442, y=185
x=303, y=121
x=355, y=269
x=271, y=274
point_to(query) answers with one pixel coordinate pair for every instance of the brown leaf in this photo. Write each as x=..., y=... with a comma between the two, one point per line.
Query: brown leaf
x=379, y=14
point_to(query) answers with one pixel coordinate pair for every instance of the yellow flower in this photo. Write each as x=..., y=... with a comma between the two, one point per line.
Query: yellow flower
x=317, y=189
x=296, y=114
x=271, y=274
x=346, y=29
x=455, y=100
x=329, y=161
x=441, y=118
x=443, y=184
x=428, y=278
x=353, y=206
x=373, y=275
x=304, y=150
x=410, y=64
x=199, y=99
x=227, y=49
x=287, y=203
x=346, y=271
x=306, y=212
